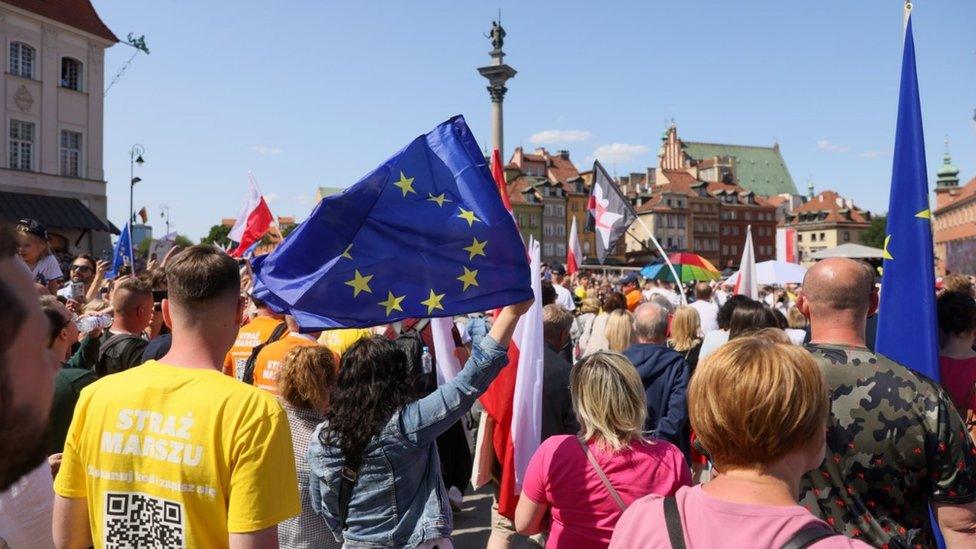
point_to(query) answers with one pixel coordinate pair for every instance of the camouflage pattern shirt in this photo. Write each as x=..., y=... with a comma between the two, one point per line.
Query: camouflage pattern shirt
x=894, y=443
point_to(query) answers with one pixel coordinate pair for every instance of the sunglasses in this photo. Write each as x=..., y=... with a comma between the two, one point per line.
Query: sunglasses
x=82, y=268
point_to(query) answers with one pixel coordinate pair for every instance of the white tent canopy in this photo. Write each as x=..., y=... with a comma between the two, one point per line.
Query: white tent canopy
x=775, y=273
x=853, y=251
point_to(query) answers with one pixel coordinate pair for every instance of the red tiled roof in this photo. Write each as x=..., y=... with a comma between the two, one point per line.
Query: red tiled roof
x=652, y=203
x=79, y=14
x=562, y=169
x=828, y=201
x=517, y=186
x=776, y=200
x=962, y=193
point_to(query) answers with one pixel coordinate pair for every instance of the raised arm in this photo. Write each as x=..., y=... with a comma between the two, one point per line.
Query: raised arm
x=422, y=421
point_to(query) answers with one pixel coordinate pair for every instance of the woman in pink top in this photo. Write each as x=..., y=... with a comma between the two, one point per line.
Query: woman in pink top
x=588, y=481
x=957, y=360
x=759, y=406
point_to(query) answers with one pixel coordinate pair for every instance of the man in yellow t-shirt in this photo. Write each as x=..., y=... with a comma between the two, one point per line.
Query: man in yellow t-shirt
x=252, y=334
x=269, y=360
x=174, y=453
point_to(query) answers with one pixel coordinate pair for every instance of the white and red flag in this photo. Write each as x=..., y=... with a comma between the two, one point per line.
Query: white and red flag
x=748, y=282
x=574, y=255
x=254, y=221
x=786, y=245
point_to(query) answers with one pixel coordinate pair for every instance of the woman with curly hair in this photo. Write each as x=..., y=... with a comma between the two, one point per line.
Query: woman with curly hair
x=376, y=472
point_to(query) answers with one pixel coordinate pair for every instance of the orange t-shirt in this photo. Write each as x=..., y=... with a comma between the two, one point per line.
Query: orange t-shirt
x=633, y=299
x=270, y=358
x=250, y=336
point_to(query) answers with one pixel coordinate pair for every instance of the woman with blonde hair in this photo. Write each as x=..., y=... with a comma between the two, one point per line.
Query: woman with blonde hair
x=587, y=481
x=620, y=330
x=763, y=432
x=582, y=328
x=305, y=382
x=686, y=334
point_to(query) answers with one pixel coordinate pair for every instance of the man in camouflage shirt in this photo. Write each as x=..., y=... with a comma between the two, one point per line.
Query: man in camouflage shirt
x=895, y=443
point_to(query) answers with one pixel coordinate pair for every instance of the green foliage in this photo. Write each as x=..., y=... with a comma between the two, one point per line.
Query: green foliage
x=217, y=235
x=874, y=235
x=287, y=229
x=143, y=247
x=183, y=241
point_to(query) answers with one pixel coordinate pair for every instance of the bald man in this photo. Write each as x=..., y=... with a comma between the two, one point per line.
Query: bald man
x=122, y=345
x=895, y=443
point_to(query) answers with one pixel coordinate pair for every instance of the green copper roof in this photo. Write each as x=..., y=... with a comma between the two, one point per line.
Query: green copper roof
x=759, y=169
x=948, y=175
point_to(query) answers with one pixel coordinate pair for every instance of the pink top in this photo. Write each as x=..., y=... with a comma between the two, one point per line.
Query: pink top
x=710, y=522
x=958, y=378
x=583, y=511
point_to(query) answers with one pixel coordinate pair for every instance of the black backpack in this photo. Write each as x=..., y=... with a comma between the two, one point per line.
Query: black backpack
x=119, y=353
x=412, y=344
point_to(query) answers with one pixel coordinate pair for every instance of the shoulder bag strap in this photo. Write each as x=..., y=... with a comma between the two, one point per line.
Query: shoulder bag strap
x=808, y=536
x=248, y=375
x=672, y=518
x=603, y=476
x=349, y=474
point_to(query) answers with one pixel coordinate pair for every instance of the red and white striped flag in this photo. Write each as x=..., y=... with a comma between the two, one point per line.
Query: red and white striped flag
x=574, y=255
x=748, y=282
x=786, y=245
x=254, y=221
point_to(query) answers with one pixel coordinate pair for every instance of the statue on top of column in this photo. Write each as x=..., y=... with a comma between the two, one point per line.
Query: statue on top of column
x=497, y=35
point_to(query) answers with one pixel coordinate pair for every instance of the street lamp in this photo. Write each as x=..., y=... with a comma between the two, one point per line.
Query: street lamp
x=135, y=157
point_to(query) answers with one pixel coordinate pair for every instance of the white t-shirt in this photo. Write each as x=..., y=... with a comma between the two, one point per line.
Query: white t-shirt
x=26, y=509
x=708, y=313
x=46, y=270
x=564, y=297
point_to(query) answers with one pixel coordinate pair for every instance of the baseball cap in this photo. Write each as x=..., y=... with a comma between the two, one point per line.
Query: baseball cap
x=31, y=226
x=628, y=278
x=558, y=269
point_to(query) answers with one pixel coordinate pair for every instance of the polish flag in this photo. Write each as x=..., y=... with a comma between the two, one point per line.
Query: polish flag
x=786, y=245
x=254, y=221
x=747, y=283
x=574, y=255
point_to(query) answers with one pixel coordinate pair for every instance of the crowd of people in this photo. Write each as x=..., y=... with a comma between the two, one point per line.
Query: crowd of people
x=169, y=407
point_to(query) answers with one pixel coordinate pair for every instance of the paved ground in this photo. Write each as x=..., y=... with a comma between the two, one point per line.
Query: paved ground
x=472, y=525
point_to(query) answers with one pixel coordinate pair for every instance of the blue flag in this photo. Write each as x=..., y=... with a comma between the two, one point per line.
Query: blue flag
x=907, y=326
x=423, y=235
x=123, y=253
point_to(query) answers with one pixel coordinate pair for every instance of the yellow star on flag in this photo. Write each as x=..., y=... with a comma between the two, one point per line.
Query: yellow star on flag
x=924, y=214
x=392, y=303
x=468, y=216
x=476, y=248
x=885, y=253
x=406, y=184
x=433, y=302
x=469, y=278
x=359, y=283
x=345, y=253
x=440, y=199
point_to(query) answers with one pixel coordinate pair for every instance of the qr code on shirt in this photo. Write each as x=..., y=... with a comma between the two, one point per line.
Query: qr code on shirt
x=139, y=520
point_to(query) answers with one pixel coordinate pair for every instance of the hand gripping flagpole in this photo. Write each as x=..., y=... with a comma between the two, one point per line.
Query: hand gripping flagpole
x=660, y=250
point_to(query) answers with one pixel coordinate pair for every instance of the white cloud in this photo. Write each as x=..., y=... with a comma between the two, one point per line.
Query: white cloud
x=826, y=145
x=270, y=197
x=619, y=152
x=869, y=154
x=559, y=136
x=265, y=150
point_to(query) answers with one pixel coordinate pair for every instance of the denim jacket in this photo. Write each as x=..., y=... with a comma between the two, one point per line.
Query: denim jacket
x=399, y=499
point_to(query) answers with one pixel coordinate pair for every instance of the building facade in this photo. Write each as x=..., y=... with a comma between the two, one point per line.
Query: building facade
x=51, y=158
x=954, y=221
x=826, y=221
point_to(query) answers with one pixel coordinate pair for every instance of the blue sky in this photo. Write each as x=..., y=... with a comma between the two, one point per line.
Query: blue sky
x=309, y=94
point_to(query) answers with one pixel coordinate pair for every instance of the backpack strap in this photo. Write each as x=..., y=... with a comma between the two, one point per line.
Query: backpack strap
x=672, y=518
x=113, y=341
x=603, y=476
x=349, y=475
x=808, y=536
x=248, y=376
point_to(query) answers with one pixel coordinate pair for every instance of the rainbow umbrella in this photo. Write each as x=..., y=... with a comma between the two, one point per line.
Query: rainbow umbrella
x=690, y=267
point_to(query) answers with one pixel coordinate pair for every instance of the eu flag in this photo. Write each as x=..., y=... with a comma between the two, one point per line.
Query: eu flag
x=423, y=235
x=907, y=328
x=123, y=253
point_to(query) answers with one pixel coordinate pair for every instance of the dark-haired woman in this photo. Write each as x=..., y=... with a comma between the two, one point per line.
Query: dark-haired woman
x=750, y=317
x=957, y=360
x=376, y=472
x=716, y=338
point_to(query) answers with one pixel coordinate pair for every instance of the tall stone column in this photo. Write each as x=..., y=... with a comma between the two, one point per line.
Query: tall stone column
x=497, y=73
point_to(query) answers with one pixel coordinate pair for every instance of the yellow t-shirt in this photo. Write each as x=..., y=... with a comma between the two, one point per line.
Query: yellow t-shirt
x=269, y=360
x=342, y=338
x=178, y=457
x=250, y=336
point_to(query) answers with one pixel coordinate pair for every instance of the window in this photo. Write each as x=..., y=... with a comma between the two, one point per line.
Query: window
x=521, y=220
x=822, y=237
x=21, y=60
x=70, y=153
x=560, y=210
x=574, y=206
x=847, y=236
x=21, y=145
x=70, y=73
x=547, y=210
x=586, y=247
x=547, y=249
x=533, y=220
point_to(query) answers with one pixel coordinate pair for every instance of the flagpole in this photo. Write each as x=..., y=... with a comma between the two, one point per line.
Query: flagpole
x=681, y=289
